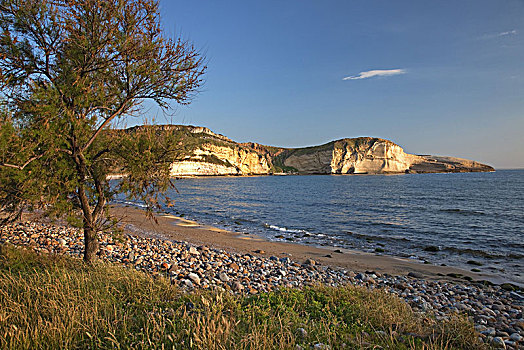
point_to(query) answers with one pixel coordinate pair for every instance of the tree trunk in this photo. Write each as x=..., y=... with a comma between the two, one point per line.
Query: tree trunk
x=91, y=244
x=90, y=237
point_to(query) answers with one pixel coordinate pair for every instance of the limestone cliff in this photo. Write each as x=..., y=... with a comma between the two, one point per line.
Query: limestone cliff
x=366, y=155
x=363, y=155
x=208, y=153
x=221, y=159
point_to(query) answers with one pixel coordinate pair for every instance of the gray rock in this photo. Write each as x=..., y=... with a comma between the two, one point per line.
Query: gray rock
x=302, y=333
x=516, y=337
x=285, y=260
x=223, y=277
x=517, y=296
x=310, y=262
x=237, y=286
x=194, y=277
x=425, y=306
x=479, y=328
x=489, y=332
x=415, y=274
x=188, y=283
x=499, y=342
x=361, y=276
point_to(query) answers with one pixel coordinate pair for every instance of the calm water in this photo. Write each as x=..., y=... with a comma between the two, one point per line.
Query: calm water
x=470, y=216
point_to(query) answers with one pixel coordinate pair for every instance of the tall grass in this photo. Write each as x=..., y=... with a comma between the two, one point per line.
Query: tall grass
x=52, y=302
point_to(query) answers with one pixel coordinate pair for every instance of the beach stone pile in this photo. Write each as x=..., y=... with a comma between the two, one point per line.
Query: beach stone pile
x=186, y=265
x=497, y=312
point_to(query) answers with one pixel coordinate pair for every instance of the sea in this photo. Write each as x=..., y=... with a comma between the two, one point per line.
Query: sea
x=467, y=220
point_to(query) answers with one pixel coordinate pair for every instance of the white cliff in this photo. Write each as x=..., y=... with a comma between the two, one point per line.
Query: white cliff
x=208, y=153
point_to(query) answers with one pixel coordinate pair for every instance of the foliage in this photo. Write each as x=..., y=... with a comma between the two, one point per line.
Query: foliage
x=278, y=166
x=51, y=302
x=313, y=149
x=69, y=70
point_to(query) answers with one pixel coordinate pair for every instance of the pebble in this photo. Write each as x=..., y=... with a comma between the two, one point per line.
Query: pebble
x=496, y=312
x=320, y=346
x=188, y=283
x=194, y=277
x=415, y=274
x=223, y=277
x=310, y=262
x=302, y=333
x=499, y=342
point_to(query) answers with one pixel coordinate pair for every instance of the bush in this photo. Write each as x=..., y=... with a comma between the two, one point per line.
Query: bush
x=54, y=302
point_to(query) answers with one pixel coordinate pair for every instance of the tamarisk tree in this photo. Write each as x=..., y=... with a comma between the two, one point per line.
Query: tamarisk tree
x=69, y=71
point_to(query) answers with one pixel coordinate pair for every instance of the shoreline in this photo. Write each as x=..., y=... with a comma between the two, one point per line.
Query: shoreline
x=177, y=228
x=192, y=176
x=193, y=256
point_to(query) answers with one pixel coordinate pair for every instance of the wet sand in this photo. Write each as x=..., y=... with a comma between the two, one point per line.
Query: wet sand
x=180, y=229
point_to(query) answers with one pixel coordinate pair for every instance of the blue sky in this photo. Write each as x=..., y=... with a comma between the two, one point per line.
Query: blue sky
x=448, y=80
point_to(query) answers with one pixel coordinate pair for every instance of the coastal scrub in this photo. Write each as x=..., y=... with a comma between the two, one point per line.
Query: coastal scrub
x=51, y=301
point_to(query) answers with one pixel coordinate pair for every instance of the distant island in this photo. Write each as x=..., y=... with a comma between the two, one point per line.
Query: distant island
x=205, y=153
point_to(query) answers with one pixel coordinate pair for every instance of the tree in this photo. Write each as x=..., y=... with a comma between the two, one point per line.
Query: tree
x=69, y=70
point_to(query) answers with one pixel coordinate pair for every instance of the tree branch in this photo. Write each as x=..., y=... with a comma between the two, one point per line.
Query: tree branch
x=21, y=167
x=104, y=124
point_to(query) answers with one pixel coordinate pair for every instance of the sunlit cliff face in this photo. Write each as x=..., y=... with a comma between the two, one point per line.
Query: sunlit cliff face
x=364, y=155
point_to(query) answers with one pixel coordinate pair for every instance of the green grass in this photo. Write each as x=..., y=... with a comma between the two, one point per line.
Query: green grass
x=51, y=302
x=313, y=149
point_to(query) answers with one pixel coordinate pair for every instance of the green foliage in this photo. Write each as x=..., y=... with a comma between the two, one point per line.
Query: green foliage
x=69, y=69
x=278, y=165
x=52, y=302
x=309, y=150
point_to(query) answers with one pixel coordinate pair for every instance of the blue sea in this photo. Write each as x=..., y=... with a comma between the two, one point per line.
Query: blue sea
x=466, y=217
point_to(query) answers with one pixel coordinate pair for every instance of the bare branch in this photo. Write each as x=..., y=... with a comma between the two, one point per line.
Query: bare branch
x=105, y=123
x=21, y=167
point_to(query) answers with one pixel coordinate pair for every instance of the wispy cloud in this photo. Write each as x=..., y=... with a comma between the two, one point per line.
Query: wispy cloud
x=511, y=32
x=376, y=73
x=501, y=34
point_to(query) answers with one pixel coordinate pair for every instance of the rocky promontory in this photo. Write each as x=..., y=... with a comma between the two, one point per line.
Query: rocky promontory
x=209, y=153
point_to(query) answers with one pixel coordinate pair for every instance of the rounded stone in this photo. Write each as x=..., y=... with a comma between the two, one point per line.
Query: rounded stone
x=223, y=277
x=194, y=277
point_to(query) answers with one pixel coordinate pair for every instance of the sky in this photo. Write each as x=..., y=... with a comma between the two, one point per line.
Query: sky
x=436, y=77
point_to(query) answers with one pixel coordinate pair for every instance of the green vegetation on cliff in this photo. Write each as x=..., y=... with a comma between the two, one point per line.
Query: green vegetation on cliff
x=310, y=150
x=53, y=302
x=202, y=145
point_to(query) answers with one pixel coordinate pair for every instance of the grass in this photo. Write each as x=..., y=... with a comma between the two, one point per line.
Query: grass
x=52, y=302
x=312, y=149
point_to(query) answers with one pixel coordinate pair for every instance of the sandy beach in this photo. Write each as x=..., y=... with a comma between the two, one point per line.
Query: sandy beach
x=180, y=229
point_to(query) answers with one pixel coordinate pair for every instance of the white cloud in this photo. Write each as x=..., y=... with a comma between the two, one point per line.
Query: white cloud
x=510, y=32
x=376, y=73
x=498, y=35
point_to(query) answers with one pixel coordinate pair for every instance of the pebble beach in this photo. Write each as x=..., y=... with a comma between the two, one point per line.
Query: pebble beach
x=497, y=311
